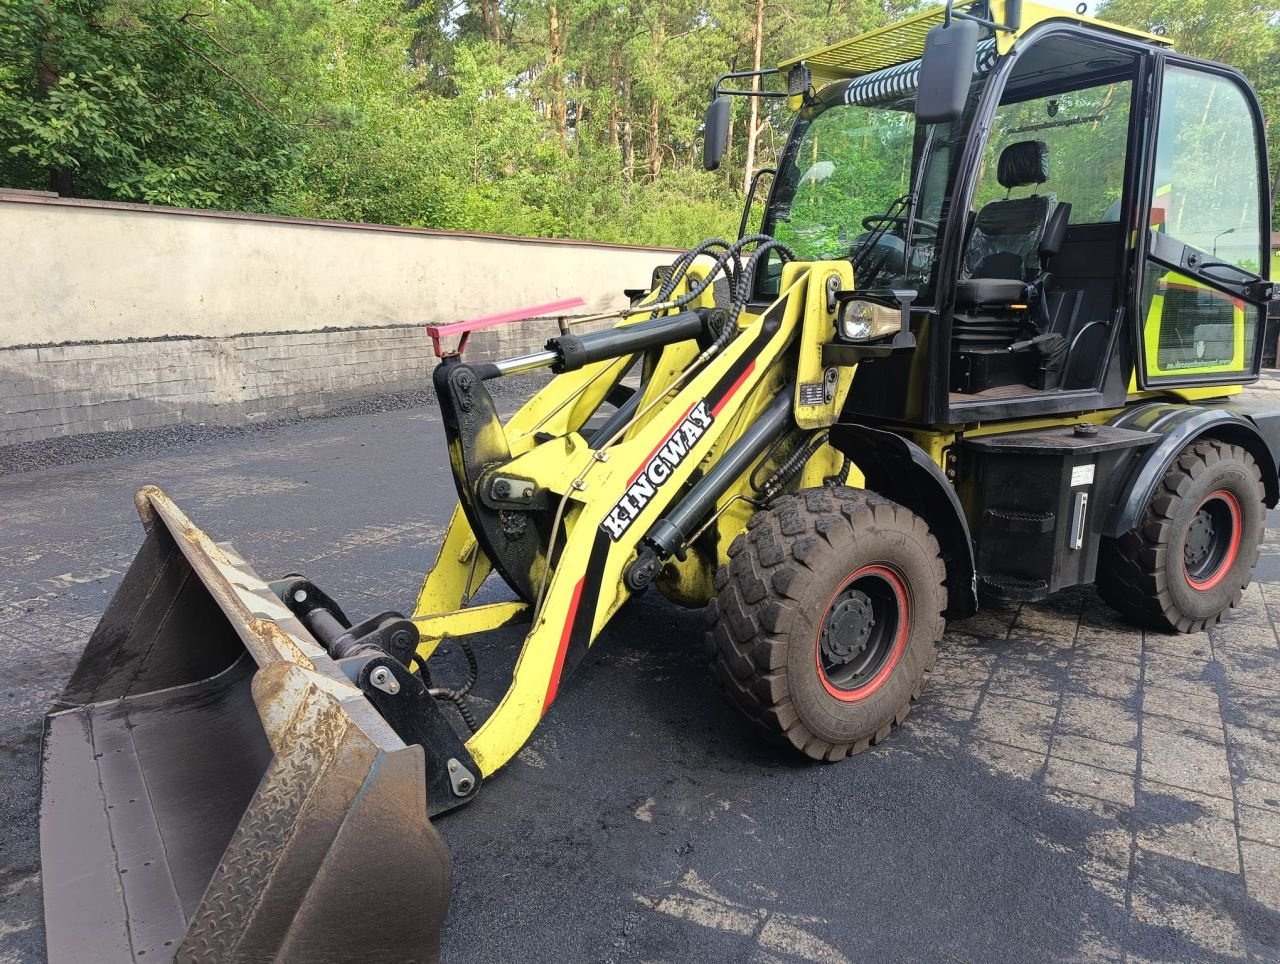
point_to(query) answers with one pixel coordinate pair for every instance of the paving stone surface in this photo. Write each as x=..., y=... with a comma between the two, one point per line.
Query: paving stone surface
x=1070, y=788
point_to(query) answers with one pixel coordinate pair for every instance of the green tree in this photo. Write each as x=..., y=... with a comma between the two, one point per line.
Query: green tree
x=1242, y=33
x=129, y=100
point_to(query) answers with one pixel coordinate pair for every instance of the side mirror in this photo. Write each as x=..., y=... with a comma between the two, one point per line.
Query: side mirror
x=946, y=71
x=715, y=134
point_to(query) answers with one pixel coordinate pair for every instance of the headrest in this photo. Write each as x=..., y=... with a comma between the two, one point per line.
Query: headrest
x=1023, y=163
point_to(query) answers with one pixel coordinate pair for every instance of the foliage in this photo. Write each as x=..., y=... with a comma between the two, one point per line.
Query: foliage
x=573, y=118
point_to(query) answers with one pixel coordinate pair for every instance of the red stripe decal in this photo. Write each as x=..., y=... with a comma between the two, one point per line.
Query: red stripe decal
x=650, y=456
x=734, y=388
x=554, y=683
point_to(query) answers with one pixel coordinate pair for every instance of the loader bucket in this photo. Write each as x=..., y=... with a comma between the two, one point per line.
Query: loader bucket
x=215, y=789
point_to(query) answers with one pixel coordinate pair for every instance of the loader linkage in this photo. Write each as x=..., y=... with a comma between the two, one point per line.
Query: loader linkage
x=375, y=655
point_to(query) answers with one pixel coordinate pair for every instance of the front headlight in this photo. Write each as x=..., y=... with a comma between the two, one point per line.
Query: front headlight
x=866, y=320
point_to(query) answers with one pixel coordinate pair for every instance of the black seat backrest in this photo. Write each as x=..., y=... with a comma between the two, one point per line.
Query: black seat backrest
x=1087, y=261
x=1056, y=232
x=1008, y=234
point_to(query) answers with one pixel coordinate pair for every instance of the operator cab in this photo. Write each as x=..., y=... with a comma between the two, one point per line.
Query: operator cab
x=1060, y=130
x=1090, y=227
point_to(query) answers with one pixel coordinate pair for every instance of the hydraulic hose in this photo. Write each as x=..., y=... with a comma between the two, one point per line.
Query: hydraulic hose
x=793, y=464
x=682, y=264
x=458, y=697
x=460, y=704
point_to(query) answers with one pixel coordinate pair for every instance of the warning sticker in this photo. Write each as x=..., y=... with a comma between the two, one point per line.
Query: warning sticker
x=1082, y=475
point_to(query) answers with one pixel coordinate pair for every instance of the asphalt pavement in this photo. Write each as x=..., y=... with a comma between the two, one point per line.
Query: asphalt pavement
x=1069, y=788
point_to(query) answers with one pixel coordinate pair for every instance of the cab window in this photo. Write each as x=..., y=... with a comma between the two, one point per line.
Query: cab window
x=1086, y=132
x=1205, y=195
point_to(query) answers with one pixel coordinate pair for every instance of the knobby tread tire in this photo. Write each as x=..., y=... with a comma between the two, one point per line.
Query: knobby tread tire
x=760, y=636
x=1137, y=572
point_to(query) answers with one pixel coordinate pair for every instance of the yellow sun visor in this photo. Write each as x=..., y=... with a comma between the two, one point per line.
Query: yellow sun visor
x=904, y=41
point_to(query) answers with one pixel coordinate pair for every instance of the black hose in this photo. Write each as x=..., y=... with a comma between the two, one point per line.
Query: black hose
x=842, y=476
x=473, y=667
x=681, y=265
x=747, y=279
x=457, y=697
x=732, y=253
x=794, y=463
x=754, y=481
x=460, y=704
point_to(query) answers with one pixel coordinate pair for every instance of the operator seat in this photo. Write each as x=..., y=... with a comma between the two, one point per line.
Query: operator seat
x=1013, y=238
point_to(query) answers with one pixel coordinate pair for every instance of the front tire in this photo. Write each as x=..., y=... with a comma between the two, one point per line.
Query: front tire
x=826, y=620
x=1192, y=554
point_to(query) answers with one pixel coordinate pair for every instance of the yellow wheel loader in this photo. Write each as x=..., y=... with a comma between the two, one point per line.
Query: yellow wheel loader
x=988, y=343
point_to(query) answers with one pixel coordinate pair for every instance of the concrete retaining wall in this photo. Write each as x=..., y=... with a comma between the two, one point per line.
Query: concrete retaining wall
x=117, y=316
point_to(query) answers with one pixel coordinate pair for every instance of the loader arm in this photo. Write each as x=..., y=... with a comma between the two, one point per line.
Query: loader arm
x=612, y=500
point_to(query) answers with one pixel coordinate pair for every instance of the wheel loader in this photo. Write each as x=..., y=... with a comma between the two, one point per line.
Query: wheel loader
x=988, y=343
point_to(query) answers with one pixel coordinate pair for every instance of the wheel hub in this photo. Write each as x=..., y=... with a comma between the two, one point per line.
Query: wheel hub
x=848, y=628
x=1200, y=540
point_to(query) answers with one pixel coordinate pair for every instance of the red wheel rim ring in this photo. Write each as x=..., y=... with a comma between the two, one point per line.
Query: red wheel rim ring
x=897, y=648
x=1233, y=549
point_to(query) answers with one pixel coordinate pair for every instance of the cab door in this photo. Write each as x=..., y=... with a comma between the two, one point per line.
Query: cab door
x=1204, y=288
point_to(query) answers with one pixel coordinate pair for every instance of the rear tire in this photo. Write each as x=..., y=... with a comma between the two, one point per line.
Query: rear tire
x=826, y=620
x=1192, y=553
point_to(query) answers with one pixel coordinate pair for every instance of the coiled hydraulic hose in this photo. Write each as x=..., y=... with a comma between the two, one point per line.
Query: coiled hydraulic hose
x=458, y=697
x=681, y=265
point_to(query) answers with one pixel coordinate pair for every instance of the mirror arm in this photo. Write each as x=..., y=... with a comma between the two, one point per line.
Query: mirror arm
x=1013, y=16
x=904, y=338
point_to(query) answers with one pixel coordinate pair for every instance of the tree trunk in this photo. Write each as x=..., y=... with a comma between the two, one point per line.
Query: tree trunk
x=613, y=99
x=47, y=77
x=559, y=105
x=628, y=140
x=491, y=19
x=657, y=36
x=752, y=124
x=655, y=144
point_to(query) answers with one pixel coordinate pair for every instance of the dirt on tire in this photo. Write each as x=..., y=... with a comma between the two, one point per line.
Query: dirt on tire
x=772, y=598
x=1141, y=574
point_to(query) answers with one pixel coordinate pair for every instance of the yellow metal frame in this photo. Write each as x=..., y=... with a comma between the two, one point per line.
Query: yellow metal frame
x=903, y=41
x=586, y=587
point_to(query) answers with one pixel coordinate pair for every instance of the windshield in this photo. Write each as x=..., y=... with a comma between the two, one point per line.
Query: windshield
x=849, y=163
x=861, y=180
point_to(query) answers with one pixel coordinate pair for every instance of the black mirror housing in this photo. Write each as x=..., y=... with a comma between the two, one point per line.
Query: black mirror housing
x=946, y=71
x=715, y=133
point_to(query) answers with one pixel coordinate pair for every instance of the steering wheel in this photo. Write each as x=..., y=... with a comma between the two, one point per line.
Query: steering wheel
x=870, y=222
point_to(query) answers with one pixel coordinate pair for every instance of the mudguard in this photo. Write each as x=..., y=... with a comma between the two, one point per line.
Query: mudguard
x=902, y=471
x=1180, y=425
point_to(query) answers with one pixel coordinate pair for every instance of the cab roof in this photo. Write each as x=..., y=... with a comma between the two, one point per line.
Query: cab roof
x=904, y=41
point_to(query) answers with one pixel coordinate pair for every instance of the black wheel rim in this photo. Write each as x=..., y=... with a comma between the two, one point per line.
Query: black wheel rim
x=1212, y=541
x=862, y=632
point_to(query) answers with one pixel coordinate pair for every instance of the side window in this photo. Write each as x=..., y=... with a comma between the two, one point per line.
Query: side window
x=1086, y=132
x=1206, y=195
